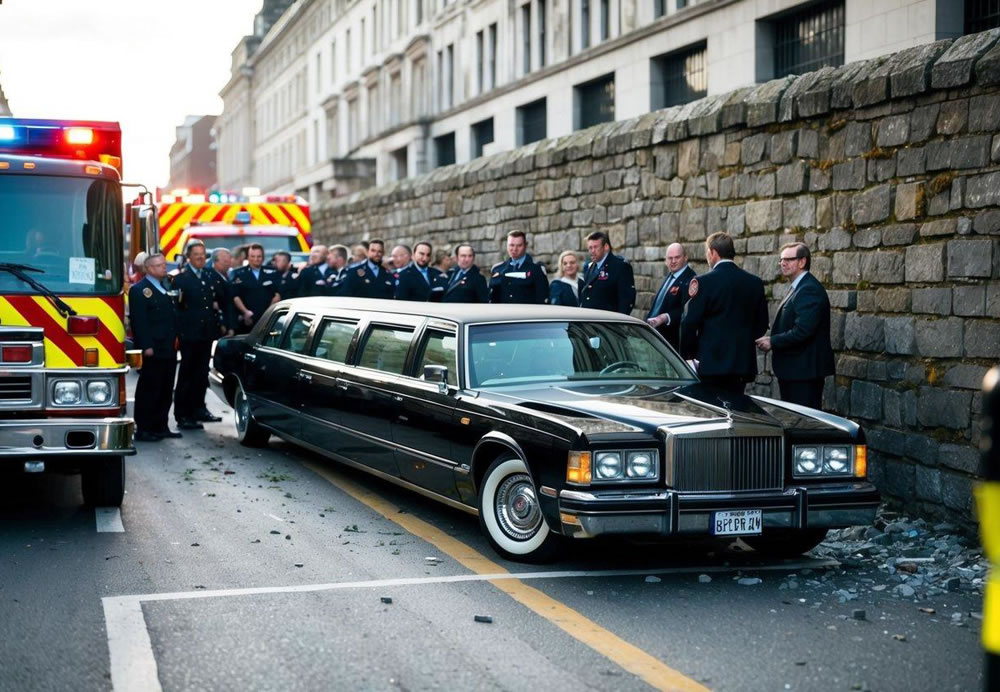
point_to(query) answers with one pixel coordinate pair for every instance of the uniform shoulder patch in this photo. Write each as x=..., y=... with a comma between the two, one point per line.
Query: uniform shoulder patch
x=148, y=292
x=693, y=288
x=361, y=272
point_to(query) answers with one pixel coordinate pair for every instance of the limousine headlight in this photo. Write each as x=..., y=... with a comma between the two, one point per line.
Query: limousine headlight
x=626, y=465
x=823, y=460
x=609, y=465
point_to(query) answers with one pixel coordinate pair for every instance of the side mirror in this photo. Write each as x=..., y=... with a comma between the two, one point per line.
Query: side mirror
x=144, y=227
x=439, y=374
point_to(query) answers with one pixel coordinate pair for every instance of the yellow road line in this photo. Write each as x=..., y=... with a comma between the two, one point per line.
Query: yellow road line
x=629, y=657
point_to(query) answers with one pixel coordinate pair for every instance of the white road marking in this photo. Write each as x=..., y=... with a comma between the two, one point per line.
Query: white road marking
x=133, y=664
x=276, y=518
x=109, y=520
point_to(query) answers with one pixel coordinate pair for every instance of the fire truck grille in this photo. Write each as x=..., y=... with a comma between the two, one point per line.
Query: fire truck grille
x=15, y=388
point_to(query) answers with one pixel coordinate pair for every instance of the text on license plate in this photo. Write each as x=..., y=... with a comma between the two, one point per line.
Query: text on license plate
x=737, y=522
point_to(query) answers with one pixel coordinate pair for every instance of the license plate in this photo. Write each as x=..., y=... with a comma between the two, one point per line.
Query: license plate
x=737, y=522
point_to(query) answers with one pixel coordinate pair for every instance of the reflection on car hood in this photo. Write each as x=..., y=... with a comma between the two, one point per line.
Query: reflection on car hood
x=650, y=406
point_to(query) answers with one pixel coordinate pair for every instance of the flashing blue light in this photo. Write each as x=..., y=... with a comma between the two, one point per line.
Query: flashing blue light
x=214, y=198
x=6, y=133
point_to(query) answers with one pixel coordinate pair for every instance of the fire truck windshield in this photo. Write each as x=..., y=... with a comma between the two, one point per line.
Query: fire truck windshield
x=69, y=228
x=270, y=243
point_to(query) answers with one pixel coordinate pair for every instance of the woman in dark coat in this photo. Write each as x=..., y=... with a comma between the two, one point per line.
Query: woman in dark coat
x=565, y=290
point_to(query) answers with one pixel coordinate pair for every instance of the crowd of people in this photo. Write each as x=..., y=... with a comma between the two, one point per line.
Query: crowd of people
x=718, y=320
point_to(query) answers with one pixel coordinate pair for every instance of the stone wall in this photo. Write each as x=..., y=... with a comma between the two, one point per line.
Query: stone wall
x=889, y=169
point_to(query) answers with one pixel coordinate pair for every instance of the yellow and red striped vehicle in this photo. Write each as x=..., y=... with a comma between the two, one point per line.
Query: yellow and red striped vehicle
x=62, y=307
x=221, y=219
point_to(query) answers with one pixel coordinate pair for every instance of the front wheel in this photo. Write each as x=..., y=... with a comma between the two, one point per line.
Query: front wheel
x=510, y=515
x=248, y=432
x=103, y=482
x=786, y=543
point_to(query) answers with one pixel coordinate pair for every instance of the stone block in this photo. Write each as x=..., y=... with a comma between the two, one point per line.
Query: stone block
x=911, y=68
x=965, y=376
x=846, y=265
x=993, y=300
x=871, y=206
x=850, y=175
x=882, y=168
x=893, y=299
x=665, y=162
x=851, y=366
x=894, y=130
x=932, y=301
x=954, y=67
x=987, y=222
x=843, y=80
x=762, y=102
x=754, y=148
x=868, y=238
x=970, y=258
x=886, y=441
x=791, y=178
x=923, y=122
x=764, y=184
x=940, y=338
x=872, y=85
x=900, y=336
x=763, y=216
x=892, y=408
x=911, y=161
x=808, y=144
x=970, y=301
x=943, y=408
x=982, y=339
x=899, y=234
x=909, y=201
x=688, y=157
x=736, y=220
x=799, y=212
x=970, y=152
x=956, y=491
x=984, y=113
x=866, y=400
x=788, y=109
x=927, y=484
x=939, y=155
x=920, y=448
x=814, y=98
x=883, y=267
x=857, y=138
x=925, y=263
x=783, y=146
x=953, y=117
x=864, y=333
x=734, y=111
x=939, y=227
x=983, y=190
x=900, y=480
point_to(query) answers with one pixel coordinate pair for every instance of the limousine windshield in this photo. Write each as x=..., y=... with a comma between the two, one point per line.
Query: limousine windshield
x=514, y=354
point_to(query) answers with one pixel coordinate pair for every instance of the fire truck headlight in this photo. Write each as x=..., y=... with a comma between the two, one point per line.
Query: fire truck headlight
x=66, y=392
x=99, y=392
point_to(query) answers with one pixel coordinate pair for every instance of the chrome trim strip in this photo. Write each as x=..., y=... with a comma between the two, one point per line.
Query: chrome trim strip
x=112, y=436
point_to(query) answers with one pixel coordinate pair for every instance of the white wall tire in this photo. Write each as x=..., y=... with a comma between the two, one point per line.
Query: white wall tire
x=248, y=432
x=509, y=513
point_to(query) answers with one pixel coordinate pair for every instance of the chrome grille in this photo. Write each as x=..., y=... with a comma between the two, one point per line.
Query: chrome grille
x=727, y=463
x=15, y=388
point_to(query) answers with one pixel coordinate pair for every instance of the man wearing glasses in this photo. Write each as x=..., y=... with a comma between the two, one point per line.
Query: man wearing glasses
x=800, y=338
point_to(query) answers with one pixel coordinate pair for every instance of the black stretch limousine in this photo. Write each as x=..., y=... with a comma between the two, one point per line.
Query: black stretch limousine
x=544, y=421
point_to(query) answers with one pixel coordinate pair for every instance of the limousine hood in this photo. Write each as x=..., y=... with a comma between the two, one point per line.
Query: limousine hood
x=650, y=407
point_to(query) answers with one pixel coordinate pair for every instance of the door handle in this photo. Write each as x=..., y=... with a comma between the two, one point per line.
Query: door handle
x=404, y=419
x=305, y=377
x=250, y=356
x=341, y=385
x=397, y=398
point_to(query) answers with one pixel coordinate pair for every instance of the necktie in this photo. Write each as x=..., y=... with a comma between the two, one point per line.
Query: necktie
x=426, y=278
x=591, y=271
x=456, y=277
x=662, y=295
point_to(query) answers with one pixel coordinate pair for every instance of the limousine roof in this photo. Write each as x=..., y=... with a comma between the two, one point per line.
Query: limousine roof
x=462, y=313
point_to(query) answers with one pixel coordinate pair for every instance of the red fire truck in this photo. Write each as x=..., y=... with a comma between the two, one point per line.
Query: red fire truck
x=62, y=305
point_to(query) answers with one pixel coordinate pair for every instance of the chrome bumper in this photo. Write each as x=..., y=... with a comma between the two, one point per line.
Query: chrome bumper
x=668, y=512
x=65, y=437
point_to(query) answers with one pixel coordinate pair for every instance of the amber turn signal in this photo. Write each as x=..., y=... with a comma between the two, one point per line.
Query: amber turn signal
x=134, y=358
x=578, y=468
x=860, y=461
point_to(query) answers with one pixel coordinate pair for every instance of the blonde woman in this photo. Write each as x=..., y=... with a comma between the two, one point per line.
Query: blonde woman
x=565, y=290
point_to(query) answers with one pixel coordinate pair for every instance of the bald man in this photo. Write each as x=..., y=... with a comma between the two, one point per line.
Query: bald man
x=669, y=301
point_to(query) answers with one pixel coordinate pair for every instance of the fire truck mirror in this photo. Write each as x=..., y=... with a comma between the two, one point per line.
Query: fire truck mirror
x=145, y=228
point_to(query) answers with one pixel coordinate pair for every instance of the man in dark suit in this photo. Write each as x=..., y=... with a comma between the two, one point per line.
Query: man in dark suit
x=520, y=279
x=465, y=282
x=312, y=279
x=222, y=260
x=608, y=283
x=801, y=355
x=337, y=259
x=672, y=296
x=370, y=279
x=255, y=288
x=727, y=312
x=154, y=328
x=288, y=278
x=419, y=281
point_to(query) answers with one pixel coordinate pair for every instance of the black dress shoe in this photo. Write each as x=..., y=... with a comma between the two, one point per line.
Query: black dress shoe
x=143, y=436
x=188, y=424
x=206, y=416
x=169, y=433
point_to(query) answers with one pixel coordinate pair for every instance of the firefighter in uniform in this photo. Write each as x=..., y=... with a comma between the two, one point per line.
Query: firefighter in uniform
x=337, y=259
x=288, y=278
x=255, y=288
x=222, y=260
x=197, y=328
x=153, y=317
x=608, y=283
x=520, y=279
x=369, y=279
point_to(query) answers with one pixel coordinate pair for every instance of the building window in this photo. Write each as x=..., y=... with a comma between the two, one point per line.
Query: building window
x=399, y=163
x=493, y=56
x=541, y=32
x=584, y=24
x=450, y=74
x=678, y=77
x=810, y=39
x=480, y=63
x=531, y=122
x=418, y=99
x=659, y=8
x=333, y=62
x=605, y=19
x=373, y=119
x=444, y=149
x=482, y=134
x=526, y=38
x=440, y=80
x=594, y=102
x=395, y=99
x=981, y=15
x=352, y=123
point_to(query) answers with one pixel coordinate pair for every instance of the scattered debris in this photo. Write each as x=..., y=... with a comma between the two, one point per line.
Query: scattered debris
x=928, y=611
x=387, y=599
x=275, y=533
x=196, y=545
x=859, y=614
x=749, y=581
x=704, y=579
x=899, y=637
x=300, y=564
x=483, y=618
x=653, y=580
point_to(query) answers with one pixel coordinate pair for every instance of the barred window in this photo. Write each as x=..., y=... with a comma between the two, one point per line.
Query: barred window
x=810, y=39
x=444, y=149
x=678, y=77
x=981, y=15
x=531, y=122
x=482, y=134
x=594, y=102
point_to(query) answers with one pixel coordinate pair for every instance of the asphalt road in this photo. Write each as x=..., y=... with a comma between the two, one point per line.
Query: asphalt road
x=241, y=569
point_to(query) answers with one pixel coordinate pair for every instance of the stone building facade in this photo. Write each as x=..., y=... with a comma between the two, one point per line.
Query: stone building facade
x=888, y=168
x=410, y=85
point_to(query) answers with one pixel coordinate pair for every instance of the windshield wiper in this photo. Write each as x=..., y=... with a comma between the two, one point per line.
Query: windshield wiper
x=19, y=270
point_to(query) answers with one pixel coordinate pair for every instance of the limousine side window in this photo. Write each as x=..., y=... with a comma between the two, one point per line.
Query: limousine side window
x=385, y=349
x=274, y=330
x=297, y=334
x=440, y=348
x=335, y=340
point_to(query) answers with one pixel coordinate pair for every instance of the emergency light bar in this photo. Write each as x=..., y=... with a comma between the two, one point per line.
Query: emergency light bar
x=64, y=139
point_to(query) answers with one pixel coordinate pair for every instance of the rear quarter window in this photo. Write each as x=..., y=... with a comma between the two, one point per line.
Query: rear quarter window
x=385, y=349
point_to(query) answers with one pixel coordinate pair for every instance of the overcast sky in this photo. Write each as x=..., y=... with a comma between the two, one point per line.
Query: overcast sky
x=144, y=63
